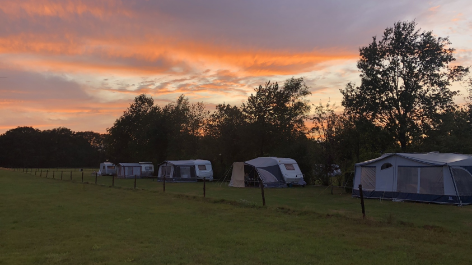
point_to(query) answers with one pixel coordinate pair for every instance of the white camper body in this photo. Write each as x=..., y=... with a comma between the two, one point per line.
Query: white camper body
x=290, y=171
x=147, y=169
x=204, y=169
x=107, y=169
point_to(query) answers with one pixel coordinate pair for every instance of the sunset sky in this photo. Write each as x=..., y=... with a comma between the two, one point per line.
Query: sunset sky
x=79, y=63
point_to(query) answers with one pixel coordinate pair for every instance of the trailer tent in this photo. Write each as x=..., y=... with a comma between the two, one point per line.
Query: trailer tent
x=128, y=170
x=427, y=177
x=273, y=171
x=186, y=170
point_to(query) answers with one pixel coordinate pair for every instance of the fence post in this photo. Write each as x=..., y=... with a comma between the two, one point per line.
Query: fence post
x=113, y=180
x=41, y=173
x=47, y=172
x=53, y=175
x=262, y=191
x=82, y=177
x=96, y=175
x=35, y=172
x=61, y=174
x=204, y=188
x=71, y=176
x=164, y=184
x=362, y=201
x=135, y=181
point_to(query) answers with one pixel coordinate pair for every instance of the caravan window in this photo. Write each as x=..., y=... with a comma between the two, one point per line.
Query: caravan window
x=385, y=166
x=289, y=167
x=202, y=167
x=109, y=167
x=147, y=168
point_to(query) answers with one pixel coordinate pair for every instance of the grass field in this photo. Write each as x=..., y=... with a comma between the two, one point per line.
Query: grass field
x=46, y=221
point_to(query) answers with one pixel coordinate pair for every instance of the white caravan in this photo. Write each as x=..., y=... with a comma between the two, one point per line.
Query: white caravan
x=290, y=171
x=203, y=169
x=147, y=169
x=107, y=169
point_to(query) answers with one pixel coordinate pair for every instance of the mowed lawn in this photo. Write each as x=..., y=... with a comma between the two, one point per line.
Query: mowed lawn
x=46, y=221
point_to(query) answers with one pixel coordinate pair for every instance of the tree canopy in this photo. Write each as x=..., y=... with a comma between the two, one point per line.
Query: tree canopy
x=405, y=80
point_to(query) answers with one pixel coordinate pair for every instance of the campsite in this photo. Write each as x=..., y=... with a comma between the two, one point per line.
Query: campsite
x=235, y=132
x=83, y=223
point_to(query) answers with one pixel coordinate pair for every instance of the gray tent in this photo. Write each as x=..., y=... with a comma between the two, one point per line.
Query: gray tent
x=178, y=170
x=427, y=177
x=128, y=170
x=273, y=171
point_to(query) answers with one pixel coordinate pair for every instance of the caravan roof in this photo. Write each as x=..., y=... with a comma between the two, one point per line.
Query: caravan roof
x=188, y=162
x=270, y=161
x=129, y=164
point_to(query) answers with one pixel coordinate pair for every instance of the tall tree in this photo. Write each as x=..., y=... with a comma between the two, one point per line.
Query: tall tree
x=129, y=138
x=405, y=81
x=276, y=114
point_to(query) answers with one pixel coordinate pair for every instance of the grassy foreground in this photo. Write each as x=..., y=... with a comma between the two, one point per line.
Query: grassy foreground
x=45, y=221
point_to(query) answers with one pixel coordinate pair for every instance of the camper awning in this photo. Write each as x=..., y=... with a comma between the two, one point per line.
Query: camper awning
x=438, y=159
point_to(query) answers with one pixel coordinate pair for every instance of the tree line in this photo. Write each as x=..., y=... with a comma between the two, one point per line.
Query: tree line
x=403, y=104
x=32, y=148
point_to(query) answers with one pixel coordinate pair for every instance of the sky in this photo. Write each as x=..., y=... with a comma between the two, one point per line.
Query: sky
x=80, y=63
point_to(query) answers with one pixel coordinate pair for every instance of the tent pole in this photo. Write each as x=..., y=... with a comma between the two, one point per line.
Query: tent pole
x=226, y=174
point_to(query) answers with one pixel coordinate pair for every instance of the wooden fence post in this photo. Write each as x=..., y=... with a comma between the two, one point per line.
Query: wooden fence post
x=35, y=172
x=82, y=177
x=53, y=175
x=41, y=173
x=47, y=172
x=164, y=184
x=96, y=176
x=71, y=176
x=113, y=180
x=204, y=188
x=61, y=174
x=262, y=191
x=135, y=181
x=362, y=201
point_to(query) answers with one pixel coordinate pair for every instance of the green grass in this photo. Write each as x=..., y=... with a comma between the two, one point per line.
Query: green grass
x=46, y=221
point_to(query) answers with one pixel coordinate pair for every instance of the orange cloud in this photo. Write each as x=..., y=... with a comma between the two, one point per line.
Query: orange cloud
x=154, y=57
x=434, y=8
x=64, y=9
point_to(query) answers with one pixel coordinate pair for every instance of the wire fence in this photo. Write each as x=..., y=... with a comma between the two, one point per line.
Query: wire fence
x=329, y=200
x=218, y=189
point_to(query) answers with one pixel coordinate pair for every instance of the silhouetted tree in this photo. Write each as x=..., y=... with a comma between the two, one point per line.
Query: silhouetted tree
x=405, y=81
x=276, y=116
